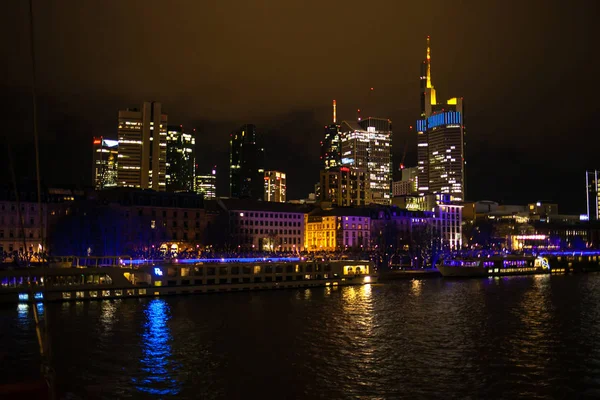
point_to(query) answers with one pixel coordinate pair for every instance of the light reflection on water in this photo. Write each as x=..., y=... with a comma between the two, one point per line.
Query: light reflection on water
x=156, y=362
x=515, y=337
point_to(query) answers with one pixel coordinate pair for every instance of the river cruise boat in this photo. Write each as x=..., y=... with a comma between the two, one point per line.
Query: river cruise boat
x=93, y=278
x=494, y=266
x=543, y=263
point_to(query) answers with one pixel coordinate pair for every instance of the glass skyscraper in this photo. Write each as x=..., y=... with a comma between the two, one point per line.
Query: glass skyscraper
x=246, y=164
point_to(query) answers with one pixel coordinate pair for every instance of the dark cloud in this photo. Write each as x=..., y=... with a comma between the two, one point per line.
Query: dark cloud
x=527, y=71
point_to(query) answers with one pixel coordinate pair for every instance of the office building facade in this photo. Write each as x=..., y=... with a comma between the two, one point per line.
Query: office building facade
x=142, y=137
x=181, y=160
x=331, y=146
x=246, y=164
x=275, y=186
x=344, y=186
x=206, y=184
x=368, y=144
x=592, y=195
x=105, y=161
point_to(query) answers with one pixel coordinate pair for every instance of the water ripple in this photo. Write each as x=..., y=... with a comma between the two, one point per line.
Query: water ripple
x=519, y=337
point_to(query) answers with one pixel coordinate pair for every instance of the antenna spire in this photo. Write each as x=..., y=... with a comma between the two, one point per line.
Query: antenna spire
x=334, y=112
x=429, y=85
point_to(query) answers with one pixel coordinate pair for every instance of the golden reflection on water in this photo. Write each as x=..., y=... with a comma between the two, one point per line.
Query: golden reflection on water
x=358, y=308
x=307, y=294
x=534, y=335
x=416, y=287
x=108, y=310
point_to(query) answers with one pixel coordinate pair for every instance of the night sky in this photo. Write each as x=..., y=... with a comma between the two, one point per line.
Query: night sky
x=528, y=71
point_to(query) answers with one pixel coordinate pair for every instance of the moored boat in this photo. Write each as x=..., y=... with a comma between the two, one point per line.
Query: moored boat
x=494, y=266
x=136, y=278
x=502, y=265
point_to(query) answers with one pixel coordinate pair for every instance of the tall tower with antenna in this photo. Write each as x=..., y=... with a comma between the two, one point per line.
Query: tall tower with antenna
x=440, y=140
x=331, y=155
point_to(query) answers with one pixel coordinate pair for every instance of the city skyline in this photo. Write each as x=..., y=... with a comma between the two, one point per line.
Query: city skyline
x=294, y=118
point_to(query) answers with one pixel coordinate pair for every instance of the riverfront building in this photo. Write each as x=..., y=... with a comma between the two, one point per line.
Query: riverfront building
x=338, y=229
x=142, y=137
x=127, y=221
x=264, y=226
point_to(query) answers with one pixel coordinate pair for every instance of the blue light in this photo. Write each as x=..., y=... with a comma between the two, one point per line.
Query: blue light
x=442, y=119
x=157, y=366
x=39, y=296
x=571, y=253
x=23, y=297
x=158, y=272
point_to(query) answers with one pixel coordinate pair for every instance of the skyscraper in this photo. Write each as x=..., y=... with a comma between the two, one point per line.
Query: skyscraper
x=246, y=164
x=142, y=139
x=181, y=160
x=275, y=186
x=331, y=155
x=206, y=184
x=368, y=144
x=345, y=186
x=592, y=194
x=105, y=157
x=440, y=140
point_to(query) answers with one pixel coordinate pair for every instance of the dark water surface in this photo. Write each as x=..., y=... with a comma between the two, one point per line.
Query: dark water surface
x=528, y=337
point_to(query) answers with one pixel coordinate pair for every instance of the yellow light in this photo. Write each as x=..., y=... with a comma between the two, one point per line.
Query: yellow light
x=453, y=101
x=367, y=279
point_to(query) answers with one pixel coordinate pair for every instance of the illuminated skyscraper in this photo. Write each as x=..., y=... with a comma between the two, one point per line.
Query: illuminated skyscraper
x=593, y=194
x=368, y=144
x=246, y=164
x=181, y=160
x=331, y=145
x=440, y=141
x=275, y=186
x=106, y=153
x=142, y=147
x=206, y=184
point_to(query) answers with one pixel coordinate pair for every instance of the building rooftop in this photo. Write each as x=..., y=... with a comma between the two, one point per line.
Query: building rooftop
x=254, y=205
x=351, y=126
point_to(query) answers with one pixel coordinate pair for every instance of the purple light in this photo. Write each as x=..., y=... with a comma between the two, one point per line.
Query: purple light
x=213, y=260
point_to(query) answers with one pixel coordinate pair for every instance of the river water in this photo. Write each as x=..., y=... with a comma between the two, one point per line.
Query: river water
x=528, y=337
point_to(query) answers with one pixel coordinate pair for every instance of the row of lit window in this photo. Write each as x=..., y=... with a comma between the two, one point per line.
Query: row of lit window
x=247, y=270
x=102, y=293
x=269, y=215
x=269, y=231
